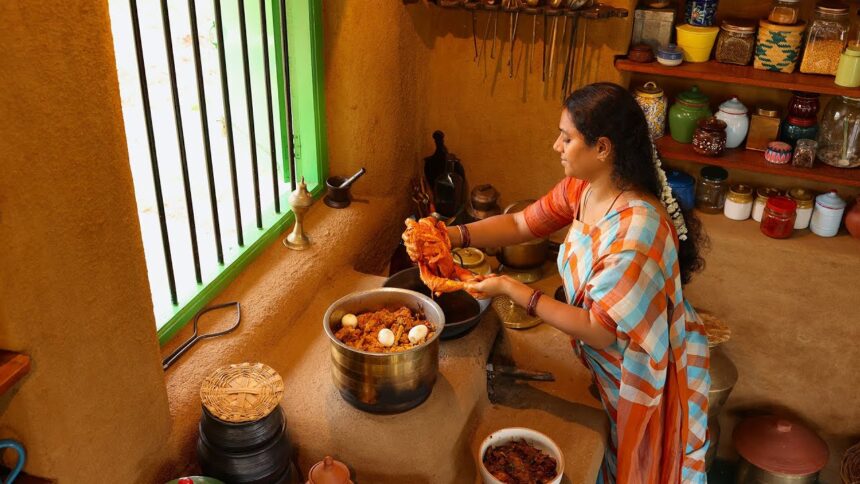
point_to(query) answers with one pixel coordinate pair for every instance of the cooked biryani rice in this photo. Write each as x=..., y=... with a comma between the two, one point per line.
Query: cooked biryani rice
x=365, y=336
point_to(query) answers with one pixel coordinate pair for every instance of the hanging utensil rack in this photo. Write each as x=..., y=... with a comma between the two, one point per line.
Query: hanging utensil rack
x=593, y=12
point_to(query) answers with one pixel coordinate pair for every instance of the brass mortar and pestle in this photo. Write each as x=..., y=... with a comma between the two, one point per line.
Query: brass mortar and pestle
x=337, y=195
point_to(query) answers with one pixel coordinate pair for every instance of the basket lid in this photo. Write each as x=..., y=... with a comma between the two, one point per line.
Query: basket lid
x=329, y=471
x=780, y=445
x=243, y=392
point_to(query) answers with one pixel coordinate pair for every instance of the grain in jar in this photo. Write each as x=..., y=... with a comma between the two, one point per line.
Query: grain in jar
x=736, y=42
x=827, y=36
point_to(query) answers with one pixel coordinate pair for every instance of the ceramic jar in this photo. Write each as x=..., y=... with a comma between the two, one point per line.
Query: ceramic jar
x=700, y=12
x=670, y=55
x=852, y=219
x=696, y=42
x=690, y=106
x=734, y=114
x=762, y=194
x=827, y=214
x=710, y=137
x=803, y=104
x=683, y=188
x=848, y=71
x=739, y=202
x=803, y=198
x=792, y=129
x=653, y=103
x=778, y=153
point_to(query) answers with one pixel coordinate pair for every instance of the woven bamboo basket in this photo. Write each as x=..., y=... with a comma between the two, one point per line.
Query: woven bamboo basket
x=851, y=465
x=243, y=392
x=778, y=46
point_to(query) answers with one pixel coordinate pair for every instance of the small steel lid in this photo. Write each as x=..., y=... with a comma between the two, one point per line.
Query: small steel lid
x=780, y=445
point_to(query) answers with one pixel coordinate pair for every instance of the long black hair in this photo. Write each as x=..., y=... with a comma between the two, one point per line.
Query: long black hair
x=607, y=110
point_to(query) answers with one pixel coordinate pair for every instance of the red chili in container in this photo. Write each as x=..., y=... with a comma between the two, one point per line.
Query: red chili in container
x=777, y=221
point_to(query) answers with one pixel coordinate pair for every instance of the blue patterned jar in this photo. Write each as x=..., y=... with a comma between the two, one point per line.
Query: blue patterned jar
x=653, y=103
x=701, y=12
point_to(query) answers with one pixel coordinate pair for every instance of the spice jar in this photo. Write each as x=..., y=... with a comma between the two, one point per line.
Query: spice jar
x=764, y=128
x=804, y=153
x=803, y=104
x=848, y=72
x=735, y=42
x=653, y=103
x=778, y=153
x=792, y=129
x=784, y=12
x=683, y=187
x=778, y=46
x=839, y=139
x=690, y=106
x=777, y=221
x=710, y=137
x=711, y=189
x=734, y=113
x=827, y=214
x=803, y=198
x=739, y=202
x=827, y=36
x=762, y=194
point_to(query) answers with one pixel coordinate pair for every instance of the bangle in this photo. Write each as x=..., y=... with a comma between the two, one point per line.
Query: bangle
x=465, y=237
x=531, y=309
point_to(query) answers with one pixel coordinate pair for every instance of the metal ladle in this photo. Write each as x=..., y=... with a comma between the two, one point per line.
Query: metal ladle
x=195, y=337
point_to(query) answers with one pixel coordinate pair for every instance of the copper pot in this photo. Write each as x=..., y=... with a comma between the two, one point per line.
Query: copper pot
x=527, y=255
x=384, y=382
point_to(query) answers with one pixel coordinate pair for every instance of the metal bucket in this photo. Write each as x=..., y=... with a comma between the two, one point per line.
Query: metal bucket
x=384, y=382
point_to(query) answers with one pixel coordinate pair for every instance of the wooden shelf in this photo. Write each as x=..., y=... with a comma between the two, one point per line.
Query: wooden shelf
x=749, y=160
x=746, y=75
x=13, y=367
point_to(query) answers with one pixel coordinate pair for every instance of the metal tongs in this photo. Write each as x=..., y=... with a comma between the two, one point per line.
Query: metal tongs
x=195, y=337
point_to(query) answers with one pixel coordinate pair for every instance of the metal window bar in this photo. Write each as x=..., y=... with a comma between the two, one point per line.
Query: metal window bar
x=181, y=132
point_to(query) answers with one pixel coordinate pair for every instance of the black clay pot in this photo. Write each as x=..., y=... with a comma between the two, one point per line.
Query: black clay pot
x=241, y=436
x=462, y=311
x=269, y=464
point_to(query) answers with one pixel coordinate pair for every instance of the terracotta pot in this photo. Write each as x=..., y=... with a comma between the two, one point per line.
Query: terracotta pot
x=852, y=219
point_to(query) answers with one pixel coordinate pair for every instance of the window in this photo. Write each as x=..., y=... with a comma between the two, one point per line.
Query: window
x=208, y=121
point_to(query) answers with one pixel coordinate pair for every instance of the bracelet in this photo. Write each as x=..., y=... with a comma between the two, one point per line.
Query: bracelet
x=465, y=237
x=531, y=309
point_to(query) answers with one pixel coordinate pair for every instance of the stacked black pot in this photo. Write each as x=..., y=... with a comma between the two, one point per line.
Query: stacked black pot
x=243, y=436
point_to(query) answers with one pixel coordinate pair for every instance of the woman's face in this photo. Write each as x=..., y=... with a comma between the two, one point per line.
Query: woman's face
x=578, y=159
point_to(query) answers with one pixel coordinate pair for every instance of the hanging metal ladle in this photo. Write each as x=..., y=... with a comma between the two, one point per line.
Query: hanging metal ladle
x=195, y=337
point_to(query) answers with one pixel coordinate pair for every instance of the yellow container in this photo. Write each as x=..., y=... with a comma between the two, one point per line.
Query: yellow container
x=696, y=42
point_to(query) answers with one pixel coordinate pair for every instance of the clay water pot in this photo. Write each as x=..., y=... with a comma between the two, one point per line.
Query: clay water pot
x=852, y=219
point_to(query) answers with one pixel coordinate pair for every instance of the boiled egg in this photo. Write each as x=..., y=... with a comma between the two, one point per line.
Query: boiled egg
x=417, y=334
x=386, y=337
x=349, y=321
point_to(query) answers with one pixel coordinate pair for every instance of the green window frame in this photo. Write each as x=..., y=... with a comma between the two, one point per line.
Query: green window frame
x=305, y=57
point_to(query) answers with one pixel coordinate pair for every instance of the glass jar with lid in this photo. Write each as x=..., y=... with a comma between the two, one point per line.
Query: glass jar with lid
x=839, y=136
x=736, y=42
x=777, y=221
x=739, y=202
x=762, y=195
x=711, y=189
x=804, y=200
x=784, y=12
x=827, y=36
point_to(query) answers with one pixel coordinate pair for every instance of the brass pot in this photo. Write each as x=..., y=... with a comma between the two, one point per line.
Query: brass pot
x=384, y=382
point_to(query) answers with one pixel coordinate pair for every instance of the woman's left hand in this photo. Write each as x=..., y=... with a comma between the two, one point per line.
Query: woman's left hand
x=493, y=286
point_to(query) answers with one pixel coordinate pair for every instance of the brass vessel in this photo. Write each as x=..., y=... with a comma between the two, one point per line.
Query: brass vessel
x=384, y=382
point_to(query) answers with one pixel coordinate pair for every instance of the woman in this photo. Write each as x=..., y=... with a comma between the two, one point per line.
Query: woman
x=623, y=267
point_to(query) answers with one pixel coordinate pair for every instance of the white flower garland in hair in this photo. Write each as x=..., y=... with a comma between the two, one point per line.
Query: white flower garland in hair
x=667, y=199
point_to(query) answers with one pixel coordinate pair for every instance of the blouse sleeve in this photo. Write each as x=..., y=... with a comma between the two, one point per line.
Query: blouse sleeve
x=555, y=209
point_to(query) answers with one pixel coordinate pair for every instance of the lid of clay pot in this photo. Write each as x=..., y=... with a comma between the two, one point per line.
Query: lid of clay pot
x=780, y=445
x=712, y=124
x=733, y=106
x=766, y=192
x=802, y=196
x=781, y=204
x=649, y=89
x=693, y=96
x=329, y=471
x=714, y=173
